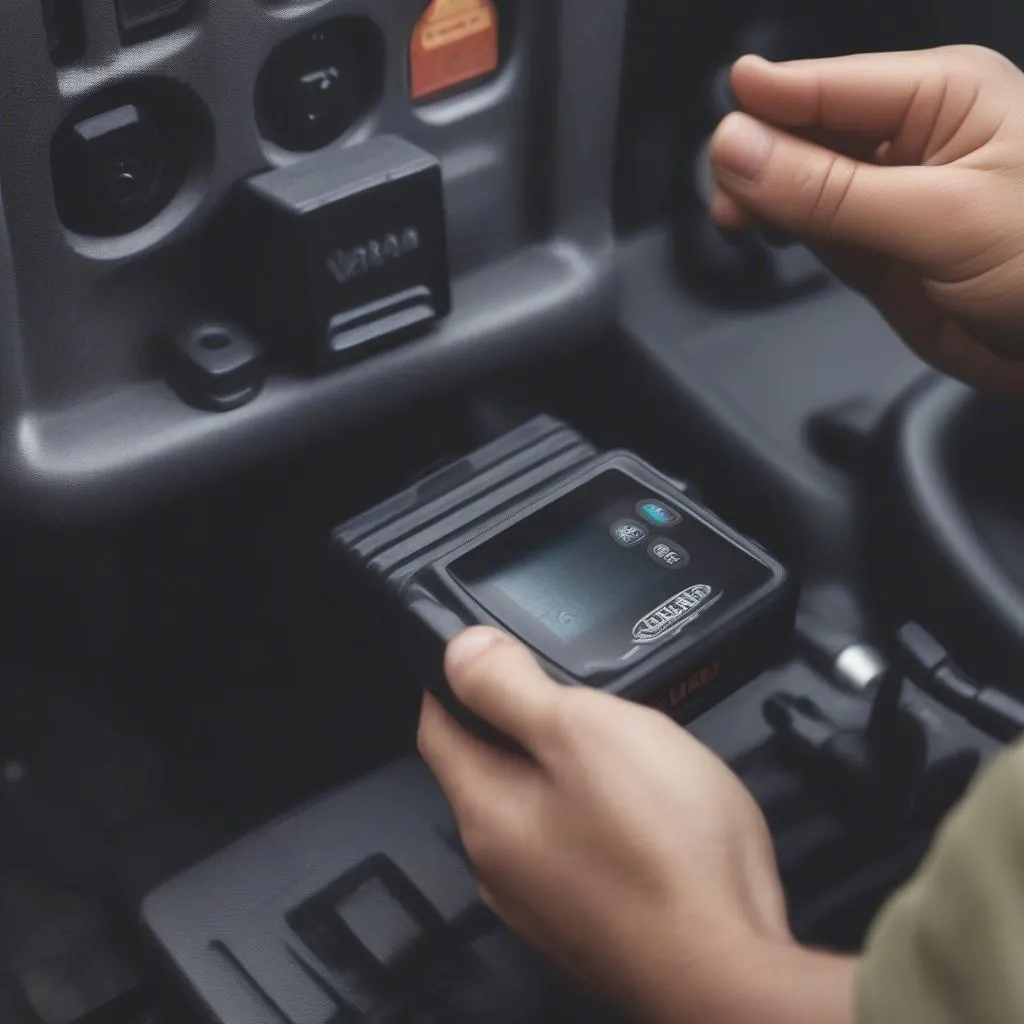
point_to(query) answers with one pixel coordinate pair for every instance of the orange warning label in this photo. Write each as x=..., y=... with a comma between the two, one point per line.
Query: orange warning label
x=453, y=43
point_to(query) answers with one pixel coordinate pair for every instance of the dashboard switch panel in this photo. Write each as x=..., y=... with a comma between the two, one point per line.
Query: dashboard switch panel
x=344, y=252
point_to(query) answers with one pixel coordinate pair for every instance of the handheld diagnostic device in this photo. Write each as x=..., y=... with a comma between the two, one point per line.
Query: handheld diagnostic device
x=603, y=566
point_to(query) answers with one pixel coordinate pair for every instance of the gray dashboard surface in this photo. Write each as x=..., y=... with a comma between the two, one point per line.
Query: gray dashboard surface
x=88, y=429
x=746, y=384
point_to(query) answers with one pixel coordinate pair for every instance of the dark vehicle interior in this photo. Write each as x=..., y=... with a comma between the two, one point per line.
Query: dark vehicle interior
x=211, y=807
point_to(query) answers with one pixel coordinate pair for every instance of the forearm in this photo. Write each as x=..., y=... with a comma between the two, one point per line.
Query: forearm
x=947, y=948
x=776, y=984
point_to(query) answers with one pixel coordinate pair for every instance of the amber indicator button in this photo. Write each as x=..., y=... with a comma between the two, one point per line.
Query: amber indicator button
x=455, y=42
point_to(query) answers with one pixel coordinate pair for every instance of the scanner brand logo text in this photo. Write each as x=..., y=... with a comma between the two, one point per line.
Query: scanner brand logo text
x=674, y=615
x=346, y=265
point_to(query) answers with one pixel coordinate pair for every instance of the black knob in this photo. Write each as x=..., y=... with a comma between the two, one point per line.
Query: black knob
x=316, y=85
x=113, y=171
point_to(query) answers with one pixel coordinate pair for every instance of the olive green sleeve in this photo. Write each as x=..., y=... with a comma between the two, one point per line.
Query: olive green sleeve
x=949, y=948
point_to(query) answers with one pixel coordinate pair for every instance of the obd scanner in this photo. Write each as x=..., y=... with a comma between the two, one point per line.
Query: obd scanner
x=602, y=565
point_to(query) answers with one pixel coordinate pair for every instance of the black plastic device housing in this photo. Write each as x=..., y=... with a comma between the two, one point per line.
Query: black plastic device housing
x=406, y=545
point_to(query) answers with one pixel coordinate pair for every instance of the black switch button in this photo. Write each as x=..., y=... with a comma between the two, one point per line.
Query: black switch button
x=112, y=171
x=316, y=85
x=382, y=927
x=345, y=251
x=373, y=919
x=145, y=16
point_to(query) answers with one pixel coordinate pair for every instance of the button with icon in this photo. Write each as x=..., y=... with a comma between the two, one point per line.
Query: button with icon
x=665, y=553
x=629, y=533
x=658, y=512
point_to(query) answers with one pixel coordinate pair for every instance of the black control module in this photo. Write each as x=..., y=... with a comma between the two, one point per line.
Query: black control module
x=344, y=251
x=603, y=566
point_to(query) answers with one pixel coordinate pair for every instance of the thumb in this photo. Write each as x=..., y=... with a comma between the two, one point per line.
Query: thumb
x=497, y=678
x=812, y=192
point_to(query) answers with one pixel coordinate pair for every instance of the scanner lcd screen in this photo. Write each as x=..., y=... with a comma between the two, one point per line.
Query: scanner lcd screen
x=587, y=578
x=576, y=580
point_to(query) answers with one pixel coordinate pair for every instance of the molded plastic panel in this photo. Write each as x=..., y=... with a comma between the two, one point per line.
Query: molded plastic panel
x=88, y=428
